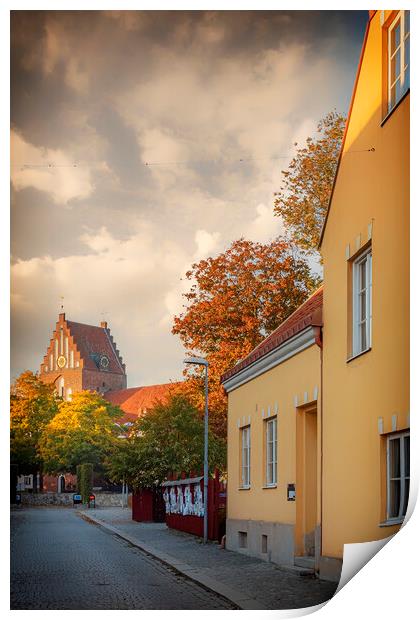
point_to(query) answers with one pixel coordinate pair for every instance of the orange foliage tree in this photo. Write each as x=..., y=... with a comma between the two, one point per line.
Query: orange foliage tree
x=303, y=198
x=235, y=300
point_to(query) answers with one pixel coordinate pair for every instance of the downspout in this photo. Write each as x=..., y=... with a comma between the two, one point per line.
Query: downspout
x=317, y=325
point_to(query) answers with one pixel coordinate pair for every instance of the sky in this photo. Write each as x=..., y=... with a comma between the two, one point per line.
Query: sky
x=144, y=141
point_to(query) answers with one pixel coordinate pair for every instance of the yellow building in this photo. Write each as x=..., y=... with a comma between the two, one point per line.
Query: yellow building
x=365, y=247
x=308, y=475
x=274, y=453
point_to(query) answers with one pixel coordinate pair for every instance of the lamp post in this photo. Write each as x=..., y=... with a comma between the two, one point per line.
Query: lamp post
x=200, y=361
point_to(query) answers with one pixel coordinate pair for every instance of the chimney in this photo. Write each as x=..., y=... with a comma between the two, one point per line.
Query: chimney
x=104, y=324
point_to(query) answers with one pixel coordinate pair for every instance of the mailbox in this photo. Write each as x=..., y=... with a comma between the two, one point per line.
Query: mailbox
x=291, y=492
x=77, y=499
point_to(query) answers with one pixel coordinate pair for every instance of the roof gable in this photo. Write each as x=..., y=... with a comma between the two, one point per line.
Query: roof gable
x=309, y=313
x=82, y=346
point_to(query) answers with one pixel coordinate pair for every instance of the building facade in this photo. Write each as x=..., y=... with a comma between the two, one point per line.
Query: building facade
x=82, y=357
x=274, y=451
x=365, y=248
x=329, y=420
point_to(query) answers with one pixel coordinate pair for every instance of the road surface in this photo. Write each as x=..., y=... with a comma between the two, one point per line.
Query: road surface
x=59, y=561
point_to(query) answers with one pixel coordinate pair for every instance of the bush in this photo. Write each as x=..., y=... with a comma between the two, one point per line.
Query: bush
x=86, y=481
x=79, y=477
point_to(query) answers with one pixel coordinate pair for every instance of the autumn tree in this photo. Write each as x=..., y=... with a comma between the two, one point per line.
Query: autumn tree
x=169, y=439
x=303, y=198
x=33, y=404
x=84, y=430
x=235, y=300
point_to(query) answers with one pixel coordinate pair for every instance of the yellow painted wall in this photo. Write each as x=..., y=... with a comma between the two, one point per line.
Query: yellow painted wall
x=280, y=385
x=371, y=188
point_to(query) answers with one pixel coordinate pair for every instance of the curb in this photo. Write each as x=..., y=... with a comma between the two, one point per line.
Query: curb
x=236, y=597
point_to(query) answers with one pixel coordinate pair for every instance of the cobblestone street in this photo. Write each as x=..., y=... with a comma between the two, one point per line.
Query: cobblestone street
x=58, y=561
x=269, y=586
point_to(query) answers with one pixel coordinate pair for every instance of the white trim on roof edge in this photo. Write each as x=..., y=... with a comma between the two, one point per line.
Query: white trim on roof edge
x=280, y=354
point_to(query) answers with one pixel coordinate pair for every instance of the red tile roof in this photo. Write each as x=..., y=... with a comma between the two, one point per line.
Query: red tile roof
x=309, y=313
x=136, y=401
x=95, y=341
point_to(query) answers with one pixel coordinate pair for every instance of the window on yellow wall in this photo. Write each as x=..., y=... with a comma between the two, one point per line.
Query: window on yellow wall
x=362, y=302
x=398, y=58
x=398, y=475
x=245, y=457
x=271, y=451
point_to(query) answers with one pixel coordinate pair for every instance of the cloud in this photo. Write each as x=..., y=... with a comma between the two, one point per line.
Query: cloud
x=265, y=226
x=214, y=99
x=48, y=170
x=132, y=280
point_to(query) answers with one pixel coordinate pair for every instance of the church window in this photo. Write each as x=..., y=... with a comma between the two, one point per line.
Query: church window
x=61, y=387
x=71, y=359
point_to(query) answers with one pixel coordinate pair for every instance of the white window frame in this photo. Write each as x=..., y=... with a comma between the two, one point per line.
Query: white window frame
x=246, y=457
x=358, y=291
x=402, y=478
x=271, y=452
x=404, y=68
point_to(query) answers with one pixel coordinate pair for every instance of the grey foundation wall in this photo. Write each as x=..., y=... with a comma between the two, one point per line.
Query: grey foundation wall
x=266, y=540
x=330, y=568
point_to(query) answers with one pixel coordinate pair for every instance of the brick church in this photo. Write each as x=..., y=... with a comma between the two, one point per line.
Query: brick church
x=85, y=357
x=82, y=357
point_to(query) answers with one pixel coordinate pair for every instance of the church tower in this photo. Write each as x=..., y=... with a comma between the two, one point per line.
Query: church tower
x=82, y=357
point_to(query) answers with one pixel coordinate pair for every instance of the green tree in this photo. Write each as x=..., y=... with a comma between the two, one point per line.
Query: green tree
x=33, y=404
x=303, y=198
x=236, y=299
x=83, y=431
x=169, y=439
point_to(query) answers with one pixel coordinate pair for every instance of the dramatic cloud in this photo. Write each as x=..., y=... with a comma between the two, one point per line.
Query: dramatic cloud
x=48, y=170
x=180, y=124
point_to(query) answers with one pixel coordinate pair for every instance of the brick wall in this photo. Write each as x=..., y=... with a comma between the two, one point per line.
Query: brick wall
x=50, y=483
x=103, y=381
x=73, y=378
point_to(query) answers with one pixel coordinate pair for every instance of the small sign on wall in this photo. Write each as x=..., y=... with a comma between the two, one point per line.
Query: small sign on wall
x=291, y=492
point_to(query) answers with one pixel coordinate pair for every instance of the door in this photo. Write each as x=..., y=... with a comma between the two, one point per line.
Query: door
x=306, y=482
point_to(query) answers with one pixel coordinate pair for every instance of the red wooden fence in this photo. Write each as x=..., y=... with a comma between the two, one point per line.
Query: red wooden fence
x=184, y=505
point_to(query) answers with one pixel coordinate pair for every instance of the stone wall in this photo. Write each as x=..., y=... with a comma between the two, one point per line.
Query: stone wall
x=66, y=499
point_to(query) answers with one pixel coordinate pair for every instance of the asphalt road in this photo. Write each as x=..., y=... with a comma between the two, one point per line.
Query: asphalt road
x=58, y=561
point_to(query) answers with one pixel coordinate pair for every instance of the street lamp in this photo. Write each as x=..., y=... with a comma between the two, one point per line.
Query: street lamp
x=200, y=361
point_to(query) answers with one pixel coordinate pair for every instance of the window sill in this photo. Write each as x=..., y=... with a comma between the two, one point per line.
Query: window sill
x=270, y=486
x=244, y=488
x=390, y=113
x=354, y=357
x=390, y=522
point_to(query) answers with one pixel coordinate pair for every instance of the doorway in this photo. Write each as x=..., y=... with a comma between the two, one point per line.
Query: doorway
x=306, y=482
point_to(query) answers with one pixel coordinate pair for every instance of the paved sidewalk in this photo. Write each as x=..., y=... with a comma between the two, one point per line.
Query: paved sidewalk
x=247, y=582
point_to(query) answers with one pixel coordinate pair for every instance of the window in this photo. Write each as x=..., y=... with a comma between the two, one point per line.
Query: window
x=242, y=540
x=61, y=387
x=246, y=457
x=271, y=451
x=398, y=474
x=398, y=58
x=362, y=303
